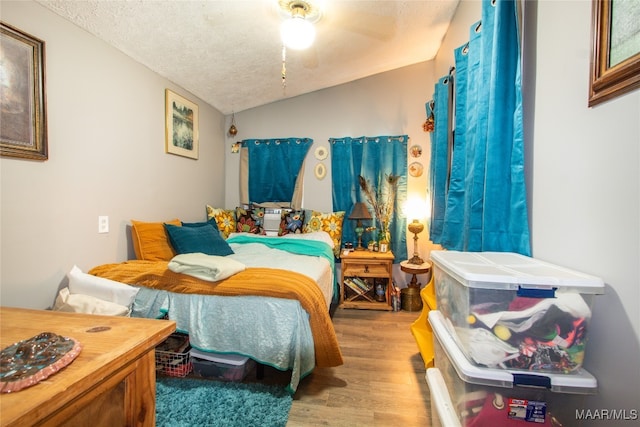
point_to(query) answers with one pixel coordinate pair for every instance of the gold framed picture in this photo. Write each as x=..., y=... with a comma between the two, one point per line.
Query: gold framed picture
x=23, y=133
x=181, y=123
x=615, y=50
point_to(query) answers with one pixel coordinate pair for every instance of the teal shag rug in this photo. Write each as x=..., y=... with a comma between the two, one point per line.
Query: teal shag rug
x=194, y=402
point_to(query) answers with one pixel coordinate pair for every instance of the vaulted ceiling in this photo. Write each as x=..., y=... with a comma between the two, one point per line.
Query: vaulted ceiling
x=229, y=53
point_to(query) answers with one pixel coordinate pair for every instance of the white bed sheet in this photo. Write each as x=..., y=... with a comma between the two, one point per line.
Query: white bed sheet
x=257, y=255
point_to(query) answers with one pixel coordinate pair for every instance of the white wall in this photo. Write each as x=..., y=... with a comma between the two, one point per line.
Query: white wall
x=584, y=185
x=106, y=157
x=586, y=192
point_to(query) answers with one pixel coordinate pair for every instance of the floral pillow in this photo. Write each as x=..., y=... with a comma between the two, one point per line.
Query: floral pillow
x=330, y=223
x=292, y=222
x=249, y=220
x=225, y=219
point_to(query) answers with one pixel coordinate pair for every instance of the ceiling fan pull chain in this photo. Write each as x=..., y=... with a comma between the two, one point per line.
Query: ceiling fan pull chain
x=284, y=68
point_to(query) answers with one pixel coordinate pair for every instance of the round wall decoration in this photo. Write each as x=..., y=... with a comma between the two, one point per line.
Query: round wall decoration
x=320, y=170
x=415, y=150
x=416, y=169
x=321, y=153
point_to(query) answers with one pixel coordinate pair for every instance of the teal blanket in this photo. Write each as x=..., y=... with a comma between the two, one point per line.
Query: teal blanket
x=296, y=246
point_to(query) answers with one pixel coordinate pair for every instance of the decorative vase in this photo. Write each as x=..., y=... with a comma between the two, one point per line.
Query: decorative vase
x=380, y=292
x=385, y=237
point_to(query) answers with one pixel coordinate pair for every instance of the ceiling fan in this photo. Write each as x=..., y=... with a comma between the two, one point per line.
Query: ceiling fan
x=299, y=16
x=302, y=15
x=298, y=19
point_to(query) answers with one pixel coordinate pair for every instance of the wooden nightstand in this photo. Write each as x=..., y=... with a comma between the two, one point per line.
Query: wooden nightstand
x=362, y=273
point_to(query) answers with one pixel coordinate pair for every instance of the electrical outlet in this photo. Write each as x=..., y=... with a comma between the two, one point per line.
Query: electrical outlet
x=103, y=224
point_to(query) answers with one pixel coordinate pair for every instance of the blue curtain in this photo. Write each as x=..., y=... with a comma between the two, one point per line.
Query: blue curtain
x=274, y=165
x=481, y=205
x=439, y=165
x=372, y=158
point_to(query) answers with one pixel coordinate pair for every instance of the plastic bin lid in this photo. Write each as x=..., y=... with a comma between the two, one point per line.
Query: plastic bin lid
x=229, y=359
x=507, y=270
x=441, y=399
x=578, y=382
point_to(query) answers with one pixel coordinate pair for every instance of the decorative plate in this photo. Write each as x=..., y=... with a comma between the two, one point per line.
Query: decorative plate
x=320, y=171
x=416, y=169
x=415, y=150
x=321, y=153
x=28, y=362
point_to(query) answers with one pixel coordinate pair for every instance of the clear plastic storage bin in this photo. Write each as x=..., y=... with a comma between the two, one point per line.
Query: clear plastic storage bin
x=478, y=396
x=227, y=367
x=510, y=311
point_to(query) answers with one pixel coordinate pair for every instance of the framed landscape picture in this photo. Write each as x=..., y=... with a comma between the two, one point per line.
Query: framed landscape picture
x=181, y=123
x=23, y=133
x=615, y=52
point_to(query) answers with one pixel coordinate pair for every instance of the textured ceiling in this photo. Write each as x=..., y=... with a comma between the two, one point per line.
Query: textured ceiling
x=229, y=53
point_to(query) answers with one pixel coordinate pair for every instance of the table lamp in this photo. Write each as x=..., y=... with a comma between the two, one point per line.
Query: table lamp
x=359, y=213
x=416, y=228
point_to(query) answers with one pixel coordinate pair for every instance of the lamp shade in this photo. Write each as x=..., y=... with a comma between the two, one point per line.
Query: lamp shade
x=416, y=208
x=297, y=33
x=360, y=211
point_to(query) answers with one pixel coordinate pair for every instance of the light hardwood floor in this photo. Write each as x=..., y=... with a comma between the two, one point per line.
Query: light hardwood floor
x=382, y=381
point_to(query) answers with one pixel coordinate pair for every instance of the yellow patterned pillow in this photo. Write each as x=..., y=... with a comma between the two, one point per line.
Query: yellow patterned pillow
x=331, y=223
x=226, y=219
x=150, y=240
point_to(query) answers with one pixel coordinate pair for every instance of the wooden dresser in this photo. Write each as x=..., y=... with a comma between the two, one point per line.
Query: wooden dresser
x=111, y=383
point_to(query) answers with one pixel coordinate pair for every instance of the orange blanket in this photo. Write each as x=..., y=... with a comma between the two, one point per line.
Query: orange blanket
x=266, y=282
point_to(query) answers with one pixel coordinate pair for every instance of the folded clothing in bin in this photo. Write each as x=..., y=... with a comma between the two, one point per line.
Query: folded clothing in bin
x=499, y=397
x=510, y=311
x=228, y=367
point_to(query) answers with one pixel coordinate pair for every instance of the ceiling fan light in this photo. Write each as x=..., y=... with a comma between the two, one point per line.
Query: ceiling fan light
x=297, y=33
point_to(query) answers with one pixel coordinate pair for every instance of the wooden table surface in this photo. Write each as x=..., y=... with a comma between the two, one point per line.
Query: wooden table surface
x=120, y=357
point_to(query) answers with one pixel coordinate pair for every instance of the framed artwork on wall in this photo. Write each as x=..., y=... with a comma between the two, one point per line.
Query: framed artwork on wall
x=181, y=125
x=23, y=133
x=615, y=49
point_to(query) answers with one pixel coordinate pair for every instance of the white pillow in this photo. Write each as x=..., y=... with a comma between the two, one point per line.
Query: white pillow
x=78, y=303
x=99, y=287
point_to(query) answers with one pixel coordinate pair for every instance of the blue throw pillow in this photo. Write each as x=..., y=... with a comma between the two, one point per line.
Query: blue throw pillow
x=204, y=239
x=212, y=222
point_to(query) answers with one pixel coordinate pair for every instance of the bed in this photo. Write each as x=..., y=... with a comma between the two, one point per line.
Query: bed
x=274, y=309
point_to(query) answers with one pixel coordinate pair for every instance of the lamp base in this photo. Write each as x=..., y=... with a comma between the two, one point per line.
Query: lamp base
x=359, y=230
x=416, y=260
